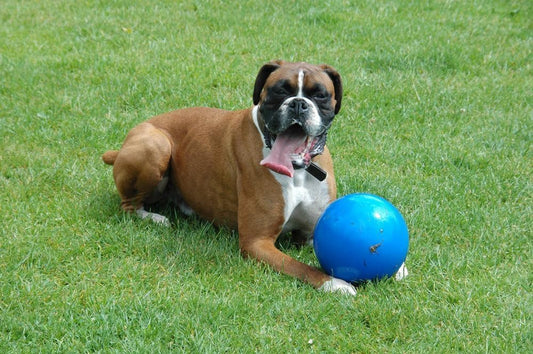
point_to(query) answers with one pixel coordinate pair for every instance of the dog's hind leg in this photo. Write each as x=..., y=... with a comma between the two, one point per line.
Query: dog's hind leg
x=139, y=169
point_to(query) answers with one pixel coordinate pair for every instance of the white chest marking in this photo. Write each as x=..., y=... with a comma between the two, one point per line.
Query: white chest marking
x=305, y=197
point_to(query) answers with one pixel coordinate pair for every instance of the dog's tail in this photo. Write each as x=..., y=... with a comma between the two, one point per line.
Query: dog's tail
x=110, y=156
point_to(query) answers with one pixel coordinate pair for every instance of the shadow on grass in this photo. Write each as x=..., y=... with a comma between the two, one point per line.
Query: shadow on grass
x=189, y=234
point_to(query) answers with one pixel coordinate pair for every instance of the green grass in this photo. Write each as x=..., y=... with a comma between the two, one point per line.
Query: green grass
x=436, y=117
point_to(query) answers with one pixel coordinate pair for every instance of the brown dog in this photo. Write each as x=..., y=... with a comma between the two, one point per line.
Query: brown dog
x=264, y=170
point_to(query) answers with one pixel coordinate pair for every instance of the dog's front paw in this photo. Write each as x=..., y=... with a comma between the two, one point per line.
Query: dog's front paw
x=338, y=285
x=401, y=273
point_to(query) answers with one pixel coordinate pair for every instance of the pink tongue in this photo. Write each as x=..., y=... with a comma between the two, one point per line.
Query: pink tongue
x=279, y=159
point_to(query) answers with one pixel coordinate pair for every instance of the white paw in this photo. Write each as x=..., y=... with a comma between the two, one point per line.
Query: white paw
x=338, y=285
x=185, y=208
x=157, y=218
x=401, y=273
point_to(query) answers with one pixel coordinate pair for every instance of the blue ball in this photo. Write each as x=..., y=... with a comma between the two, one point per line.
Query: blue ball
x=361, y=237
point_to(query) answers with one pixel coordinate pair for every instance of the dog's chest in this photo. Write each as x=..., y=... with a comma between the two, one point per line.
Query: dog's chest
x=305, y=198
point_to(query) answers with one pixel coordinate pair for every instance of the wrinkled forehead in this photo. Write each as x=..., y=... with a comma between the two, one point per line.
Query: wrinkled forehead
x=297, y=74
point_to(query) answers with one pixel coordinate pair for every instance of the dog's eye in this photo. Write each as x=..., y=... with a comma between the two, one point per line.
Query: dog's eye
x=320, y=95
x=280, y=91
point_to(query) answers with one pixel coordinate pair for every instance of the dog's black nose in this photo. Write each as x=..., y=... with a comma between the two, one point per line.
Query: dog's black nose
x=299, y=106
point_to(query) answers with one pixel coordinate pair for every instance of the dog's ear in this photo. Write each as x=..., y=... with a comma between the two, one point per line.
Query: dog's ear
x=337, y=84
x=262, y=76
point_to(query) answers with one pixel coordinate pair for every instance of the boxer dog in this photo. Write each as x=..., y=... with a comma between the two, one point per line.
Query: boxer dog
x=265, y=170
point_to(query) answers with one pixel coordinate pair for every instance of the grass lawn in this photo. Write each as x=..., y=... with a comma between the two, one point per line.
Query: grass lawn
x=437, y=117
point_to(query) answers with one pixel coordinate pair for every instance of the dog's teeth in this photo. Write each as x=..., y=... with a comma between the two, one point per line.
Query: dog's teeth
x=309, y=143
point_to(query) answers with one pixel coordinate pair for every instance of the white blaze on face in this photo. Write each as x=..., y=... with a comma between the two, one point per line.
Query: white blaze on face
x=300, y=84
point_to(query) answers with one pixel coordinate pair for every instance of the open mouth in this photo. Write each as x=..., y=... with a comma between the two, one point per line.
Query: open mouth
x=293, y=148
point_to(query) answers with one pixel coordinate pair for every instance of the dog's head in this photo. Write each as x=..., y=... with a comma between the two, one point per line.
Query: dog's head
x=296, y=106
